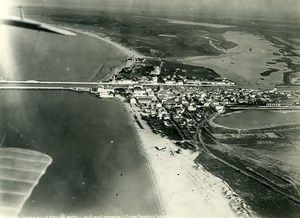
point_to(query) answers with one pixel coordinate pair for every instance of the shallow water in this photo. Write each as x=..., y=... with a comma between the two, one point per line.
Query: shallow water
x=244, y=63
x=97, y=166
x=252, y=119
x=32, y=55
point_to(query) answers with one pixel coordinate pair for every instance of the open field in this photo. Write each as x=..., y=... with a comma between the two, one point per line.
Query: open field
x=262, y=165
x=140, y=33
x=264, y=201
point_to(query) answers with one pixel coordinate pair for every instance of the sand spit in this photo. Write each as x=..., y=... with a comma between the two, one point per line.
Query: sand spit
x=127, y=52
x=211, y=25
x=184, y=188
x=184, y=22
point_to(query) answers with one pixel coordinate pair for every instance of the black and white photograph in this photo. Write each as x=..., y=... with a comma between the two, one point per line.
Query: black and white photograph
x=149, y=108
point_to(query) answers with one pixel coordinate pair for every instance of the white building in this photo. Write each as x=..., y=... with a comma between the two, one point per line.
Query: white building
x=126, y=81
x=192, y=108
x=133, y=101
x=219, y=108
x=154, y=79
x=156, y=71
x=144, y=100
x=150, y=93
x=139, y=92
x=106, y=92
x=170, y=82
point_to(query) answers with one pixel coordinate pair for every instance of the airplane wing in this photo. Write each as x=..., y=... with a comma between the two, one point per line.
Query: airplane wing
x=20, y=172
x=30, y=24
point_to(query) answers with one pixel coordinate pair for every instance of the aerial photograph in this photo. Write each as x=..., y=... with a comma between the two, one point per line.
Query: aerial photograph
x=149, y=108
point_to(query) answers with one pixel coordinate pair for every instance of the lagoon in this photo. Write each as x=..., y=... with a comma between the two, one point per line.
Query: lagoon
x=245, y=63
x=256, y=119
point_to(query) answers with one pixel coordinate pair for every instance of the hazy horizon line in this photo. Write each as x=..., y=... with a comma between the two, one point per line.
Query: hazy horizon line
x=157, y=9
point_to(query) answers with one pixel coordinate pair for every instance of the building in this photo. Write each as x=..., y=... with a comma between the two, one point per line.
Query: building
x=139, y=92
x=150, y=93
x=126, y=81
x=133, y=101
x=154, y=79
x=170, y=82
x=180, y=81
x=219, y=108
x=144, y=100
x=192, y=108
x=156, y=71
x=158, y=105
x=162, y=112
x=106, y=92
x=274, y=104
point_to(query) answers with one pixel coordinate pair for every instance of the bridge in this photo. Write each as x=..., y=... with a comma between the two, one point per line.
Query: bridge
x=54, y=85
x=46, y=85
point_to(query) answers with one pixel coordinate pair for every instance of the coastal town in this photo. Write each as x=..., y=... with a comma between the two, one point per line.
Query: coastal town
x=148, y=113
x=174, y=104
x=183, y=109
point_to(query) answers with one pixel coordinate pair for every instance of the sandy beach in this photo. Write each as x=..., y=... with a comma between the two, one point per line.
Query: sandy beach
x=184, y=188
x=127, y=52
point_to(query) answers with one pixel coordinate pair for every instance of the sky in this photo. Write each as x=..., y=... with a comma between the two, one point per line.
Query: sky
x=278, y=9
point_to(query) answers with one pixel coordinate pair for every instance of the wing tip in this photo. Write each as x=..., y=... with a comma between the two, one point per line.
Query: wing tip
x=30, y=24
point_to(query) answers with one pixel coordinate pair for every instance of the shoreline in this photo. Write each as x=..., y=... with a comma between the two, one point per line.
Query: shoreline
x=131, y=121
x=262, y=127
x=198, y=190
x=184, y=188
x=125, y=51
